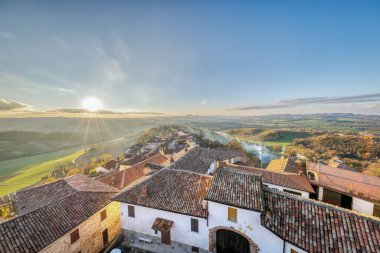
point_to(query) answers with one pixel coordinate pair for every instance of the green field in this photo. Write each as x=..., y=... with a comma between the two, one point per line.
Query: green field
x=22, y=172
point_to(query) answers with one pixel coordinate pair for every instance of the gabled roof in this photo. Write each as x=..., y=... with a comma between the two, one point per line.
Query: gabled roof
x=348, y=182
x=37, y=229
x=236, y=188
x=285, y=165
x=36, y=197
x=200, y=159
x=121, y=179
x=169, y=190
x=289, y=180
x=317, y=227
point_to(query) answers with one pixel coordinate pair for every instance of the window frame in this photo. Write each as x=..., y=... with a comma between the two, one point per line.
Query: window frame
x=232, y=211
x=74, y=236
x=131, y=211
x=194, y=225
x=103, y=215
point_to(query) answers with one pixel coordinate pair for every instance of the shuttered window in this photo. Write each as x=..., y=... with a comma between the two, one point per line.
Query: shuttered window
x=376, y=210
x=131, y=211
x=293, y=251
x=232, y=214
x=194, y=225
x=103, y=215
x=74, y=236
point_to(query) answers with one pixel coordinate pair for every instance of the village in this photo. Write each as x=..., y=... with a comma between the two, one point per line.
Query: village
x=171, y=195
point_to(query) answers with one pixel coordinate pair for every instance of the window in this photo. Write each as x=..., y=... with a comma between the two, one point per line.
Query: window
x=292, y=192
x=74, y=236
x=105, y=237
x=194, y=249
x=293, y=251
x=194, y=225
x=103, y=215
x=131, y=211
x=376, y=210
x=232, y=214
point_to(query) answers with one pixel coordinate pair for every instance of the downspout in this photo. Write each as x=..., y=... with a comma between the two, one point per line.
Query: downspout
x=283, y=249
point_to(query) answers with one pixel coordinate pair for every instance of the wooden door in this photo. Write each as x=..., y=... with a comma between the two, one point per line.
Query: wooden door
x=165, y=237
x=105, y=237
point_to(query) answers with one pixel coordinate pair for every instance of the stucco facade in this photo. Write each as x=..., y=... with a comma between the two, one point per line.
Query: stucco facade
x=90, y=231
x=180, y=230
x=282, y=188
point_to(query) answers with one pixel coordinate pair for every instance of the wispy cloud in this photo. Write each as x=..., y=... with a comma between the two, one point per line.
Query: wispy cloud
x=65, y=90
x=80, y=110
x=9, y=105
x=7, y=35
x=375, y=97
x=204, y=103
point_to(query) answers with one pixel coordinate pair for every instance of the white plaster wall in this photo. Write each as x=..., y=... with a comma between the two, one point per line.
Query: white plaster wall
x=180, y=231
x=235, y=159
x=281, y=188
x=289, y=247
x=249, y=223
x=362, y=206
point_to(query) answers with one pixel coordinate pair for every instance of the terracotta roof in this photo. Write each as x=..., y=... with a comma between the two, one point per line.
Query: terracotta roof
x=35, y=230
x=289, y=180
x=162, y=225
x=138, y=158
x=348, y=182
x=109, y=165
x=169, y=190
x=320, y=228
x=36, y=197
x=121, y=179
x=200, y=159
x=236, y=188
x=285, y=165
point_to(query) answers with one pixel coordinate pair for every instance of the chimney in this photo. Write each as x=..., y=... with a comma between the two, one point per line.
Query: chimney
x=144, y=192
x=300, y=172
x=204, y=204
x=161, y=150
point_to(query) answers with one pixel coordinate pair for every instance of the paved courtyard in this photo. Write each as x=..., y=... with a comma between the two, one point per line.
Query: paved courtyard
x=133, y=242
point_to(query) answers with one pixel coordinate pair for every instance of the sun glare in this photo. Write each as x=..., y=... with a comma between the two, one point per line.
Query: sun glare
x=92, y=104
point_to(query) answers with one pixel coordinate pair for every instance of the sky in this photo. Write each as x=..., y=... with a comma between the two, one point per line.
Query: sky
x=198, y=57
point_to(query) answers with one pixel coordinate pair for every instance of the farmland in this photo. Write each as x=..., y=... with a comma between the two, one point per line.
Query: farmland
x=22, y=172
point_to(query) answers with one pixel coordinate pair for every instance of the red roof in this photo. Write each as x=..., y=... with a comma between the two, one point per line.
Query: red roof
x=121, y=179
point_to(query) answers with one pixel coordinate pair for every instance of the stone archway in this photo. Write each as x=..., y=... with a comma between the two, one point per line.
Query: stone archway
x=212, y=239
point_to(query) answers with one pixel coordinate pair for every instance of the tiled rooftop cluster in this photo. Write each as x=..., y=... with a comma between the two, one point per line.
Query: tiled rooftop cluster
x=237, y=189
x=286, y=179
x=170, y=190
x=317, y=227
x=46, y=218
x=200, y=159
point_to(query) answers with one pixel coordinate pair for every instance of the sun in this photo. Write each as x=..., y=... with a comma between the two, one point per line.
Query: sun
x=92, y=104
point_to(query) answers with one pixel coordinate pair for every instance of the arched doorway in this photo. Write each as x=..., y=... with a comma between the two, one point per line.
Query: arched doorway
x=228, y=241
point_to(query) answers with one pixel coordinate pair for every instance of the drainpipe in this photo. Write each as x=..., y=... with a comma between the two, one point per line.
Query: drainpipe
x=283, y=248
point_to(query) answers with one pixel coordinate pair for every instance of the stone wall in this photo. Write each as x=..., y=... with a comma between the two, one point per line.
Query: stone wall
x=90, y=231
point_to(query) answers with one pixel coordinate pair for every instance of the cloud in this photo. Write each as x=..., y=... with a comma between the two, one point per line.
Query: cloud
x=65, y=90
x=204, y=103
x=8, y=105
x=375, y=97
x=7, y=35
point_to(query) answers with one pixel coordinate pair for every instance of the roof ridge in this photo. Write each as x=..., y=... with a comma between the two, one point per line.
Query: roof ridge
x=323, y=204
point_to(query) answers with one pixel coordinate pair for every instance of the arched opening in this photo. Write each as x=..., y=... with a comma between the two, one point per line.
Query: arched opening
x=228, y=241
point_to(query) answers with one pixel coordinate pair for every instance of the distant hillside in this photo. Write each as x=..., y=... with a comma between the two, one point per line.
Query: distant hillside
x=353, y=149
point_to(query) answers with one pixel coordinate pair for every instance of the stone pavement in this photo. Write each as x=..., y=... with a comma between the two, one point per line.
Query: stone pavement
x=132, y=244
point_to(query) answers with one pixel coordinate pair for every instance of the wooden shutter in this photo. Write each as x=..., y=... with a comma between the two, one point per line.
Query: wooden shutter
x=131, y=211
x=376, y=210
x=232, y=214
x=74, y=236
x=194, y=225
x=103, y=215
x=105, y=237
